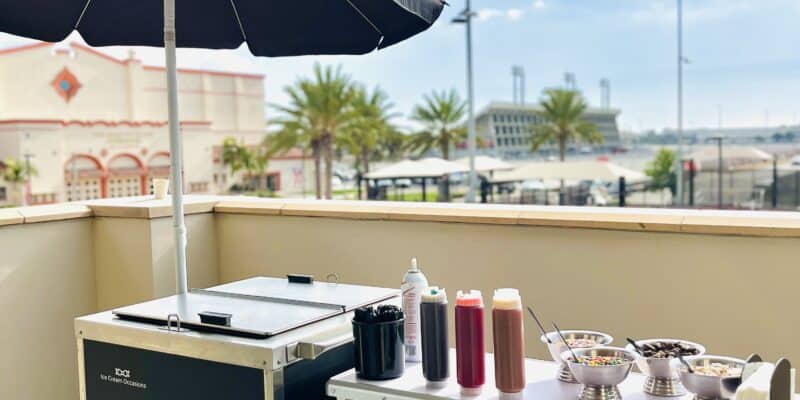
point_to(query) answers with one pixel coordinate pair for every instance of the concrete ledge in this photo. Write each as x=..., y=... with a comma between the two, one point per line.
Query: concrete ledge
x=54, y=212
x=44, y=213
x=10, y=216
x=729, y=223
x=147, y=207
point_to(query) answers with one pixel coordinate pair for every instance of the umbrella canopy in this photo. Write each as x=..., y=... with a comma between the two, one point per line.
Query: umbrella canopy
x=486, y=164
x=425, y=168
x=269, y=27
x=707, y=158
x=571, y=170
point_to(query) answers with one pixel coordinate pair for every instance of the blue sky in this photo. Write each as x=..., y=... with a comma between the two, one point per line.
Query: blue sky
x=743, y=54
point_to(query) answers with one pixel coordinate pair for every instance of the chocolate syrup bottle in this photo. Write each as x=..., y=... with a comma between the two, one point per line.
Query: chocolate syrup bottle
x=509, y=343
x=433, y=324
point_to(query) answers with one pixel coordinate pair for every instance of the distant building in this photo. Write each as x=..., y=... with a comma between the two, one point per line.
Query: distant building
x=504, y=128
x=765, y=134
x=95, y=126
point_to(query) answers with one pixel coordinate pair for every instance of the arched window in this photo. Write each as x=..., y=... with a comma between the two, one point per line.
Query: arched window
x=126, y=176
x=84, y=178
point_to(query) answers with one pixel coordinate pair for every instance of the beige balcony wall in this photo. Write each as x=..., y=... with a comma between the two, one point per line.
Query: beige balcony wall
x=46, y=280
x=136, y=258
x=60, y=262
x=736, y=294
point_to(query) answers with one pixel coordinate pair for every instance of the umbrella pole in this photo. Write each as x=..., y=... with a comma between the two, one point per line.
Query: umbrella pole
x=176, y=169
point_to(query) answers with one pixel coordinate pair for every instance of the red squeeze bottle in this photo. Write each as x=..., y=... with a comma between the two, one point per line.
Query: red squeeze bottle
x=470, y=353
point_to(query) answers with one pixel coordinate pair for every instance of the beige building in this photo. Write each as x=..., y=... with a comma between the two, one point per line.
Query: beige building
x=95, y=126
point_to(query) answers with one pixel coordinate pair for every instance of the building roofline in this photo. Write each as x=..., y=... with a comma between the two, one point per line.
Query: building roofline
x=85, y=123
x=107, y=57
x=536, y=107
x=24, y=47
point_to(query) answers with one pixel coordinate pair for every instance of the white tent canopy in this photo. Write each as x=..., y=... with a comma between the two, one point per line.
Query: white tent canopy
x=570, y=170
x=707, y=158
x=426, y=168
x=486, y=164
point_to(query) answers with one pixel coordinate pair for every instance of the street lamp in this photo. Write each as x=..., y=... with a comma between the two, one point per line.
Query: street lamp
x=680, y=104
x=465, y=17
x=719, y=139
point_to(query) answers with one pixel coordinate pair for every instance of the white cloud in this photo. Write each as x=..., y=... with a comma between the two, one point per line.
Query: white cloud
x=486, y=14
x=538, y=4
x=665, y=11
x=512, y=14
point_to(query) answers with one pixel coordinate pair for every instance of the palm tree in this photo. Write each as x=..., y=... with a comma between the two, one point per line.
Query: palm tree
x=15, y=173
x=295, y=131
x=239, y=157
x=318, y=109
x=391, y=145
x=369, y=122
x=441, y=115
x=563, y=121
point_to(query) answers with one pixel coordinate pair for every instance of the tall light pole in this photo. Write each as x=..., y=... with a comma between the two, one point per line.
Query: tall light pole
x=678, y=166
x=719, y=139
x=569, y=81
x=605, y=93
x=465, y=17
x=26, y=190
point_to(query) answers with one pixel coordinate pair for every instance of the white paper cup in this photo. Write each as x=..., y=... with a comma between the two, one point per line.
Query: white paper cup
x=160, y=188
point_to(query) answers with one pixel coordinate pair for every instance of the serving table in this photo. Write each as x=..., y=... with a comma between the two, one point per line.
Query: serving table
x=540, y=376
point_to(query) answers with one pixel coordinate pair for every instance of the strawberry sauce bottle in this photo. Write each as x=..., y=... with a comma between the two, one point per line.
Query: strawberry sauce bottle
x=470, y=354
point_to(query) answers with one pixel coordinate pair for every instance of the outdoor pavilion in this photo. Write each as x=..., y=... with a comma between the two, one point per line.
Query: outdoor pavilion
x=572, y=171
x=427, y=168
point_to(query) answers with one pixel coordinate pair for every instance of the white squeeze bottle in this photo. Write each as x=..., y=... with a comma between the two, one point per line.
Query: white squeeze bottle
x=414, y=283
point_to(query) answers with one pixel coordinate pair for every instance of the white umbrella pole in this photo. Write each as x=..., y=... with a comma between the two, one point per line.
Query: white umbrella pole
x=176, y=170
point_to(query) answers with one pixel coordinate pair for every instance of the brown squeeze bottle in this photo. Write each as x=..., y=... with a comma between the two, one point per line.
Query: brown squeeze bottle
x=509, y=344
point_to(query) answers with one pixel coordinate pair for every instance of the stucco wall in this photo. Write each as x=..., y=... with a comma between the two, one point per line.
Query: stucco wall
x=46, y=279
x=736, y=295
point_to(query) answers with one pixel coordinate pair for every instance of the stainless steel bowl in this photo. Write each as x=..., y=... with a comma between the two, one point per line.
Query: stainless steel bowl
x=557, y=347
x=660, y=367
x=704, y=386
x=609, y=375
x=662, y=376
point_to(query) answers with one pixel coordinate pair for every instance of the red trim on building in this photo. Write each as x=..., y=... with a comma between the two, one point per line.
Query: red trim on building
x=142, y=170
x=157, y=155
x=105, y=123
x=100, y=167
x=24, y=47
x=97, y=53
x=115, y=60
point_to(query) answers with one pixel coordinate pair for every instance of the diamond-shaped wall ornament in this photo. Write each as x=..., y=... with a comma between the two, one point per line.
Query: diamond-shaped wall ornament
x=66, y=84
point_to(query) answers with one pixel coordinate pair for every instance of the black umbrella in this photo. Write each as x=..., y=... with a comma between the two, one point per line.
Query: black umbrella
x=269, y=27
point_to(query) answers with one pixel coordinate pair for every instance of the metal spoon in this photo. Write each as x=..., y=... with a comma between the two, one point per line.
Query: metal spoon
x=635, y=346
x=686, y=363
x=544, y=333
x=574, y=357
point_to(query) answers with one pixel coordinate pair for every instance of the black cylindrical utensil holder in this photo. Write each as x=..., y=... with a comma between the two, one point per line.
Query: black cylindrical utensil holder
x=379, y=351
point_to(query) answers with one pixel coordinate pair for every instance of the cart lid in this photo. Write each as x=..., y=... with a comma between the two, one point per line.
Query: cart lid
x=257, y=307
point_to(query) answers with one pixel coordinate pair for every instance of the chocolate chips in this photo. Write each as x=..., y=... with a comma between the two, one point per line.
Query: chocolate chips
x=668, y=350
x=384, y=313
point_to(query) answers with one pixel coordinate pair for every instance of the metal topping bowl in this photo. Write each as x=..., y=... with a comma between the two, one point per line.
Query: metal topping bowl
x=662, y=376
x=702, y=385
x=600, y=382
x=557, y=347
